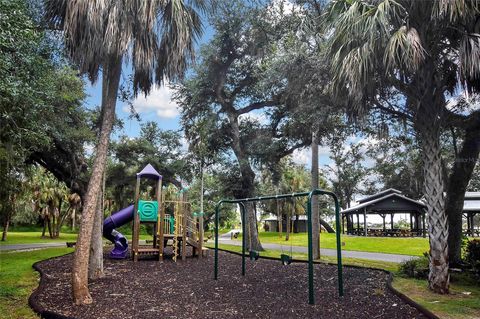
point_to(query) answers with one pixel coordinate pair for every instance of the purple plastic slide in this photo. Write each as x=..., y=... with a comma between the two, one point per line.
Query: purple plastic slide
x=118, y=219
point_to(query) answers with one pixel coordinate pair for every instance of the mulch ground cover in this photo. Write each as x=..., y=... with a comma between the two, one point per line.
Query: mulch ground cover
x=186, y=289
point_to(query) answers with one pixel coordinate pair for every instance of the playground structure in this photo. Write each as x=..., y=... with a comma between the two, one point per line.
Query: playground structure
x=173, y=223
x=286, y=259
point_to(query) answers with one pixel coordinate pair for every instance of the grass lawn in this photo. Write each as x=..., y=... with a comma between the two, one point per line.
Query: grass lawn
x=302, y=256
x=414, y=246
x=455, y=305
x=35, y=237
x=459, y=304
x=18, y=280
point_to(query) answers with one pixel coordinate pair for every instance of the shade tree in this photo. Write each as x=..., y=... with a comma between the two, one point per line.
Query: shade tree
x=232, y=86
x=415, y=54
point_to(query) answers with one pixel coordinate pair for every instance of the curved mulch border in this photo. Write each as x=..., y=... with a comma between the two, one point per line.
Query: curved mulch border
x=32, y=300
x=402, y=296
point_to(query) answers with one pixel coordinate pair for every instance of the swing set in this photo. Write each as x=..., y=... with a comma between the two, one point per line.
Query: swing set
x=285, y=258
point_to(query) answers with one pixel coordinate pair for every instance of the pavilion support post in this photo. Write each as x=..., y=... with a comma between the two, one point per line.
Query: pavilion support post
x=383, y=217
x=411, y=222
x=472, y=223
x=358, y=224
x=391, y=221
x=468, y=224
x=423, y=226
x=343, y=224
x=349, y=224
x=365, y=221
x=474, y=214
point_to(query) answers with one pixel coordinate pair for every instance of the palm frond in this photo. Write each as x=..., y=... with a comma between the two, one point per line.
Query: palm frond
x=160, y=34
x=404, y=50
x=181, y=27
x=456, y=10
x=469, y=53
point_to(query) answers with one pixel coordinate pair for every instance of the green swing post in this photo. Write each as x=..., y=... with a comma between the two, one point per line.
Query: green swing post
x=242, y=212
x=217, y=208
x=339, y=245
x=311, y=298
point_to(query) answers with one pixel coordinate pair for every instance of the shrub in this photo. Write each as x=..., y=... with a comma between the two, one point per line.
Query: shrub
x=472, y=256
x=415, y=268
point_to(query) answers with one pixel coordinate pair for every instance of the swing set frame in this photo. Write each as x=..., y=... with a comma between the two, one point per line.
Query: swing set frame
x=315, y=192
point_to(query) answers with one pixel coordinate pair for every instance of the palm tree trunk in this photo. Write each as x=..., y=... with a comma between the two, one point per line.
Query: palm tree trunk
x=457, y=186
x=49, y=223
x=74, y=216
x=428, y=130
x=315, y=215
x=111, y=79
x=44, y=225
x=95, y=264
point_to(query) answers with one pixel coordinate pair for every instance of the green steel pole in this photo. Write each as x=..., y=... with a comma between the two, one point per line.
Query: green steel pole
x=244, y=240
x=339, y=246
x=311, y=297
x=216, y=240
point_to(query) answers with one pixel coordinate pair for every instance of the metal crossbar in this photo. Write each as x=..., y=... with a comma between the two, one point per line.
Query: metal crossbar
x=241, y=203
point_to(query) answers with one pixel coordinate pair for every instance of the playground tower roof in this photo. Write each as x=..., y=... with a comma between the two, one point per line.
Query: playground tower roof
x=149, y=172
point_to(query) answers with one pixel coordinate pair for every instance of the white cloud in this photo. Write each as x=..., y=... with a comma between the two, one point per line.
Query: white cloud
x=255, y=117
x=185, y=144
x=302, y=156
x=89, y=149
x=159, y=101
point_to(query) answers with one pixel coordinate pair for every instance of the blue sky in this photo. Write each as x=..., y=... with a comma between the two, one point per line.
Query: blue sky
x=159, y=108
x=156, y=107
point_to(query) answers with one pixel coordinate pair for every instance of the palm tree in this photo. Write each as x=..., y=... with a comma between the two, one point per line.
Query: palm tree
x=99, y=34
x=403, y=57
x=75, y=202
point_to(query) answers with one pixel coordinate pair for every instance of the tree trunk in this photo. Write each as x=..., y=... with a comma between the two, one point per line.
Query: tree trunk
x=6, y=224
x=327, y=227
x=95, y=264
x=315, y=213
x=202, y=215
x=54, y=222
x=111, y=78
x=279, y=217
x=428, y=127
x=74, y=216
x=287, y=234
x=457, y=186
x=49, y=224
x=247, y=182
x=44, y=225
x=59, y=223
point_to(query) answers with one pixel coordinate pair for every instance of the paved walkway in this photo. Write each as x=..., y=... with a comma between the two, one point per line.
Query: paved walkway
x=32, y=246
x=225, y=239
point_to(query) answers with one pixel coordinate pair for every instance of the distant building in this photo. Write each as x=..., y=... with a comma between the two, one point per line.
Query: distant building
x=299, y=226
x=385, y=203
x=471, y=207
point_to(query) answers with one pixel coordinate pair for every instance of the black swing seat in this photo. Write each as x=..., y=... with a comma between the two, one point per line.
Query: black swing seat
x=286, y=259
x=254, y=255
